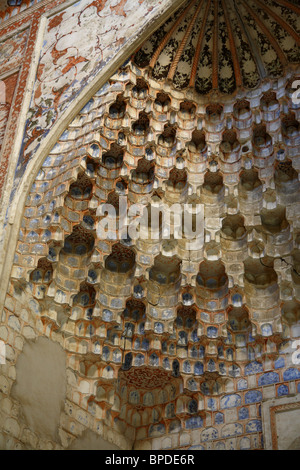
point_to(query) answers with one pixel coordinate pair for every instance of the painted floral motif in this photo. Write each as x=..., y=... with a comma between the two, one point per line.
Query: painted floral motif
x=241, y=48
x=227, y=78
x=270, y=59
x=287, y=43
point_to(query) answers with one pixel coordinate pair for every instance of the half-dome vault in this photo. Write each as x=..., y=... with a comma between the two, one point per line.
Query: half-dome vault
x=219, y=45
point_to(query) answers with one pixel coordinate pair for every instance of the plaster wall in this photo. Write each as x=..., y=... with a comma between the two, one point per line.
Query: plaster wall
x=91, y=441
x=40, y=385
x=281, y=418
x=287, y=424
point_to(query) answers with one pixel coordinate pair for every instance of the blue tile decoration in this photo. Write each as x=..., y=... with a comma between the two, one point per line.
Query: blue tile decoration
x=220, y=351
x=229, y=354
x=105, y=353
x=194, y=423
x=244, y=413
x=192, y=385
x=219, y=418
x=209, y=434
x=230, y=401
x=175, y=426
x=266, y=329
x=232, y=429
x=232, y=445
x=195, y=338
x=291, y=374
x=166, y=363
x=268, y=378
x=201, y=352
x=158, y=327
x=205, y=388
x=234, y=371
x=242, y=384
x=170, y=410
x=282, y=390
x=254, y=426
x=279, y=363
x=154, y=360
x=140, y=360
x=211, y=404
x=212, y=332
x=237, y=299
x=157, y=430
x=198, y=368
x=194, y=352
x=253, y=396
x=193, y=406
x=253, y=368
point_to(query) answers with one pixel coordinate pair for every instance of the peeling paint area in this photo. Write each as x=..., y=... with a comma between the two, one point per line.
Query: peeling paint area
x=12, y=51
x=73, y=53
x=7, y=12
